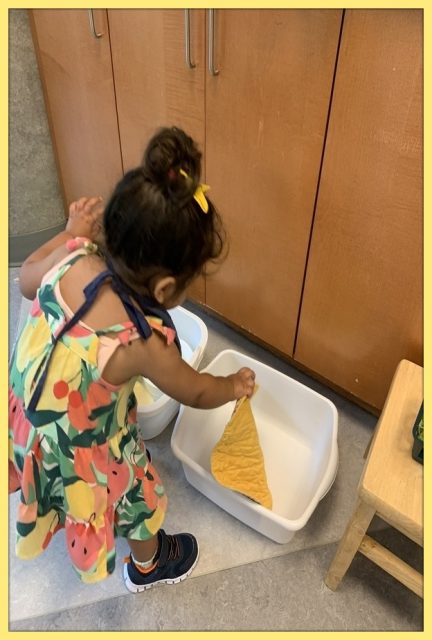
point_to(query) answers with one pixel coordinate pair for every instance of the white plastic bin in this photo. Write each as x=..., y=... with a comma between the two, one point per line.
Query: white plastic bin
x=193, y=335
x=297, y=428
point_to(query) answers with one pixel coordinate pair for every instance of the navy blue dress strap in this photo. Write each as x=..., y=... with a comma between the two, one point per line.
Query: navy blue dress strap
x=136, y=315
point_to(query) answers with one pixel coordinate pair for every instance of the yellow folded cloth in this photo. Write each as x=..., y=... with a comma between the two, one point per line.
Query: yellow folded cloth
x=237, y=461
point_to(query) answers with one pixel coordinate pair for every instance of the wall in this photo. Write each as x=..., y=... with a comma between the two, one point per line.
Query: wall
x=36, y=210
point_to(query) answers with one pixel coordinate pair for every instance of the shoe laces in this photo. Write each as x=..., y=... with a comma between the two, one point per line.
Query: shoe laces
x=174, y=549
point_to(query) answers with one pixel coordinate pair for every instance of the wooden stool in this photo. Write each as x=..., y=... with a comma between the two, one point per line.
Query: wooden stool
x=391, y=485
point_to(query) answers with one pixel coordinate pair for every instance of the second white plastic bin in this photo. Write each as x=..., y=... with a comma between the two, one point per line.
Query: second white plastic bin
x=193, y=335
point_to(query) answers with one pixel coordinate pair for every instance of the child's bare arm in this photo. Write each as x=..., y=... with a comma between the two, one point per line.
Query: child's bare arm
x=172, y=375
x=40, y=262
x=84, y=220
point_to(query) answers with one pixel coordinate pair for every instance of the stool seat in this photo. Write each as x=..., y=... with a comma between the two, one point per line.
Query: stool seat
x=391, y=485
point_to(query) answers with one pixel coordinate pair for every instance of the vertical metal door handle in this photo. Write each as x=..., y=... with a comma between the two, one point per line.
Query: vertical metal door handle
x=189, y=63
x=211, y=34
x=94, y=33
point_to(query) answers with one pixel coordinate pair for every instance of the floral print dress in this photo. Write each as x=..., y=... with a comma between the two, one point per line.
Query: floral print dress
x=76, y=455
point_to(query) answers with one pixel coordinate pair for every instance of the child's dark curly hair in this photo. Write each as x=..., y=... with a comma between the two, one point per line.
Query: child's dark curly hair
x=152, y=223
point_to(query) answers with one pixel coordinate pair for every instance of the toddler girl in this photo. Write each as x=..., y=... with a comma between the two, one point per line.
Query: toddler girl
x=98, y=321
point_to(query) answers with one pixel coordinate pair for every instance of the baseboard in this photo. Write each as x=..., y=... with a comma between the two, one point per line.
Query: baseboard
x=21, y=246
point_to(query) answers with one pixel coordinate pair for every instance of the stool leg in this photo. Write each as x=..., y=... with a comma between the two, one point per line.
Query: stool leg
x=365, y=455
x=349, y=544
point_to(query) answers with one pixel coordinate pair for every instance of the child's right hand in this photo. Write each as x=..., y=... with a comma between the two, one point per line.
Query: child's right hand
x=243, y=382
x=85, y=218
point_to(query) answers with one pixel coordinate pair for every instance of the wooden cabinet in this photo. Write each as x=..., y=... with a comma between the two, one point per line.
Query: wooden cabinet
x=362, y=304
x=312, y=142
x=266, y=114
x=154, y=86
x=76, y=73
x=261, y=120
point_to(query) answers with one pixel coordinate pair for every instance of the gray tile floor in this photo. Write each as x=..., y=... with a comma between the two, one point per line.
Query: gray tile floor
x=242, y=581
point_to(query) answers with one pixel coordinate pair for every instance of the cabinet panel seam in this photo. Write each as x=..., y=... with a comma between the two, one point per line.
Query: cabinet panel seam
x=319, y=180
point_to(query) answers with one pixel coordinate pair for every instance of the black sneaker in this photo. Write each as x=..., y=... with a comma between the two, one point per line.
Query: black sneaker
x=177, y=557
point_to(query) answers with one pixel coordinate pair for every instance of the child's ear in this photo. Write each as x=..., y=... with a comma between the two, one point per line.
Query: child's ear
x=165, y=289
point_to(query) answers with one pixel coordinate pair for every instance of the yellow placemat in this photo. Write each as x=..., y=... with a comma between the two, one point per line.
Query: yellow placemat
x=237, y=461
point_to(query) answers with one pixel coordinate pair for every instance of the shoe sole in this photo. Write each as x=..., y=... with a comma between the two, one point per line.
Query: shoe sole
x=137, y=588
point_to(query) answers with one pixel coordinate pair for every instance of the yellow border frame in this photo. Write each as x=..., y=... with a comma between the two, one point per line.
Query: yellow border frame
x=4, y=8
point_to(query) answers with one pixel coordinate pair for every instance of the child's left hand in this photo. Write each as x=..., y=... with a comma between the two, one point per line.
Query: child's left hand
x=85, y=218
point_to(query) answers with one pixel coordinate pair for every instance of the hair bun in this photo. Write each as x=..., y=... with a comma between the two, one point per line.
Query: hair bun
x=169, y=151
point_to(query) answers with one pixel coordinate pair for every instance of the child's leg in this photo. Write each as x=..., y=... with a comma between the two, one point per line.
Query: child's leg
x=144, y=550
x=155, y=558
x=175, y=558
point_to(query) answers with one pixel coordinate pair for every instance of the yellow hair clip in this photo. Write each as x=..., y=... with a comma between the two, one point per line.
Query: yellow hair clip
x=199, y=192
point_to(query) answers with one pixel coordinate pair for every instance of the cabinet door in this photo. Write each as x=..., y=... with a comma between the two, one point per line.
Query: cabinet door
x=154, y=86
x=266, y=114
x=362, y=306
x=76, y=75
